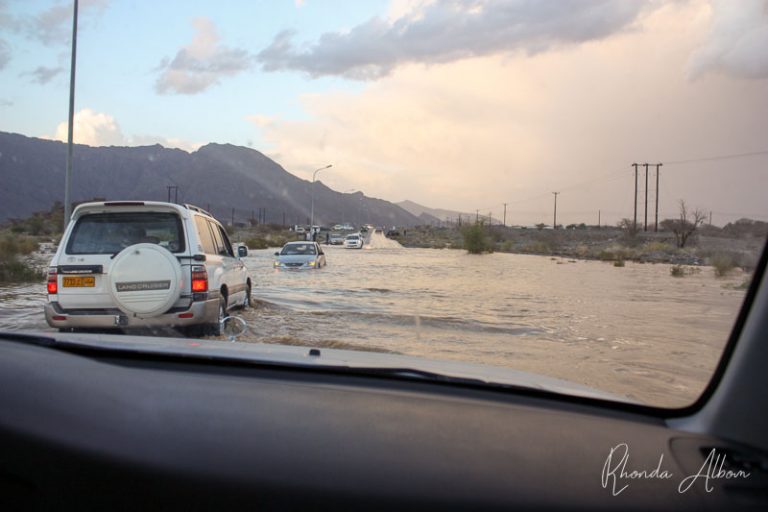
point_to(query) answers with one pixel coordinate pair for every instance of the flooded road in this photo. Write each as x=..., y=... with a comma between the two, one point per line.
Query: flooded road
x=633, y=331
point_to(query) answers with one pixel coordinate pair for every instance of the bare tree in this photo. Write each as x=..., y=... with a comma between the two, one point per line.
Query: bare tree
x=686, y=225
x=630, y=228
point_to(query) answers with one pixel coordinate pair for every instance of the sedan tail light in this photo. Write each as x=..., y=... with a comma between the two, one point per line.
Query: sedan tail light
x=53, y=284
x=199, y=279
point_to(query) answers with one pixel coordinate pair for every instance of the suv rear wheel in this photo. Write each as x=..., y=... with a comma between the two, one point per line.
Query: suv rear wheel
x=247, y=300
x=214, y=329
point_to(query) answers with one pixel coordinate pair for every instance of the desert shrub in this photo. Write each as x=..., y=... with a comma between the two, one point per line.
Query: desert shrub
x=658, y=247
x=256, y=243
x=682, y=270
x=18, y=271
x=12, y=246
x=507, y=246
x=13, y=268
x=723, y=263
x=537, y=247
x=476, y=240
x=677, y=271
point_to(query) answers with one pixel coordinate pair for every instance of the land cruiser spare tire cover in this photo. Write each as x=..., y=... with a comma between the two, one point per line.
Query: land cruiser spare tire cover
x=145, y=280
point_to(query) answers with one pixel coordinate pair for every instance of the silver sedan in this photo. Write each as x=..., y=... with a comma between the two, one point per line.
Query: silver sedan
x=300, y=255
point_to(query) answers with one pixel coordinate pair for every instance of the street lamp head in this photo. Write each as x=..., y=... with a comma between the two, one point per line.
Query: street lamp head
x=312, y=214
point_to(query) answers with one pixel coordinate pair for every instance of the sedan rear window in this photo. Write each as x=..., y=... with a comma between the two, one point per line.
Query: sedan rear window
x=108, y=233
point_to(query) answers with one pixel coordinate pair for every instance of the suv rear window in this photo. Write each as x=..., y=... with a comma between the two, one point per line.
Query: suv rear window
x=109, y=233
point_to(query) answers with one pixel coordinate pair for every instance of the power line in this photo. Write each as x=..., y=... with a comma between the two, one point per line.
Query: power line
x=717, y=157
x=617, y=174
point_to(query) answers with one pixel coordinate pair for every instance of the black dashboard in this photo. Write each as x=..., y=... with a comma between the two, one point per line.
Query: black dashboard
x=93, y=432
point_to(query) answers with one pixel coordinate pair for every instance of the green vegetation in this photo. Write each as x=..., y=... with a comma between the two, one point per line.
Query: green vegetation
x=13, y=268
x=476, y=239
x=265, y=236
x=618, y=263
x=537, y=247
x=48, y=224
x=723, y=263
x=682, y=270
x=21, y=237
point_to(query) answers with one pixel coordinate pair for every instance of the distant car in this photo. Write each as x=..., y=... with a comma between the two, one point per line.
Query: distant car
x=337, y=239
x=300, y=255
x=354, y=241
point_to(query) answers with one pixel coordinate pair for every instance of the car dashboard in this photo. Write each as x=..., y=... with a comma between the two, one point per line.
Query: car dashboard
x=91, y=430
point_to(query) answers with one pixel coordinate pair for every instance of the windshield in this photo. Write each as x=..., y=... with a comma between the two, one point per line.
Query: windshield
x=568, y=189
x=298, y=250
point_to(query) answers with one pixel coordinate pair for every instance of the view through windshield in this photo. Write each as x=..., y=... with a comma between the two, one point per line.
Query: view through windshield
x=569, y=189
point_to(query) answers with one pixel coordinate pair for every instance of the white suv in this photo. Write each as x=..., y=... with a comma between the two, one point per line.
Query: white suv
x=144, y=264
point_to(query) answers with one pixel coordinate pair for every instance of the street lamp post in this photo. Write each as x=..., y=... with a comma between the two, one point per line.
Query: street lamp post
x=554, y=223
x=312, y=211
x=71, y=121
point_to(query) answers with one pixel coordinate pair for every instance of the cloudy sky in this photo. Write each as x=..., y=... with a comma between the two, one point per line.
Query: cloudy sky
x=455, y=104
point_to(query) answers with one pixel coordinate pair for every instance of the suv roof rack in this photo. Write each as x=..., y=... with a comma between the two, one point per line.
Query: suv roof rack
x=197, y=209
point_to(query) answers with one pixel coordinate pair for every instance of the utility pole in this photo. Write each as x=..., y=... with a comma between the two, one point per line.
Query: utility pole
x=656, y=222
x=554, y=223
x=71, y=128
x=505, y=214
x=634, y=222
x=710, y=217
x=598, y=219
x=645, y=225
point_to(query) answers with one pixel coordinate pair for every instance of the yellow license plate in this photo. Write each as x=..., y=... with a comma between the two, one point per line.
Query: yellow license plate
x=79, y=282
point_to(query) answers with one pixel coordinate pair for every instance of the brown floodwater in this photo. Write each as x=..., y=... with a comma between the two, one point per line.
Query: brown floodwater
x=634, y=331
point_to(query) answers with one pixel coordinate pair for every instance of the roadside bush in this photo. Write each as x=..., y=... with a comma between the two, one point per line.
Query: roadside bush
x=12, y=246
x=658, y=247
x=476, y=240
x=15, y=271
x=256, y=243
x=538, y=247
x=507, y=246
x=12, y=267
x=677, y=271
x=682, y=270
x=723, y=263
x=616, y=254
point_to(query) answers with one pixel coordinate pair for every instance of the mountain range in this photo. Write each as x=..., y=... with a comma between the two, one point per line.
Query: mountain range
x=236, y=184
x=438, y=216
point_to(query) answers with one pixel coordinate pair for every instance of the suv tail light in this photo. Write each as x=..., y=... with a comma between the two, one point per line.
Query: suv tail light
x=199, y=279
x=53, y=285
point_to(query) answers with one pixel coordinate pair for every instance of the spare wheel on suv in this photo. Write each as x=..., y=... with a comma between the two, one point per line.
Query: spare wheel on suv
x=145, y=280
